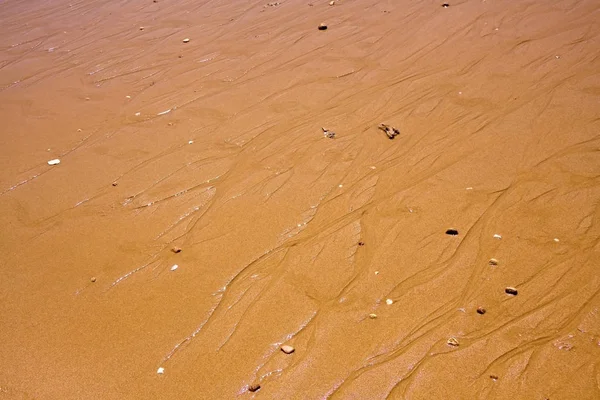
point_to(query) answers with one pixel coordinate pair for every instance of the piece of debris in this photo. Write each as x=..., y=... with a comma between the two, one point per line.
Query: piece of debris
x=496, y=236
x=390, y=131
x=445, y=5
x=329, y=134
x=254, y=388
x=481, y=310
x=332, y=3
x=322, y=27
x=361, y=243
x=174, y=267
x=141, y=28
x=287, y=349
x=494, y=377
x=389, y=302
x=452, y=342
x=556, y=240
x=114, y=183
x=186, y=40
x=56, y=161
x=273, y=4
x=161, y=370
x=176, y=249
x=493, y=261
x=372, y=316
x=452, y=232
x=511, y=290
x=93, y=279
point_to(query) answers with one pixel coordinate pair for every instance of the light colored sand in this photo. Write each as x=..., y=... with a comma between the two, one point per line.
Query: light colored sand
x=497, y=103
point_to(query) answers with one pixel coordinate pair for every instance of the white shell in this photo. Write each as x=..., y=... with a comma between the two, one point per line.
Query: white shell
x=174, y=267
x=496, y=236
x=54, y=162
x=389, y=302
x=161, y=370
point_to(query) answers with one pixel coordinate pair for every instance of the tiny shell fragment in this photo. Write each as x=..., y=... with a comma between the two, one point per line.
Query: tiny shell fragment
x=389, y=302
x=54, y=162
x=174, y=267
x=511, y=290
x=452, y=342
x=372, y=316
x=287, y=349
x=493, y=261
x=161, y=370
x=186, y=40
x=496, y=236
x=176, y=249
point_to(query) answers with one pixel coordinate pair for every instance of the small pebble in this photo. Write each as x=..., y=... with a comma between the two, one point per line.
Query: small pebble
x=511, y=290
x=56, y=161
x=481, y=310
x=494, y=377
x=361, y=243
x=556, y=240
x=332, y=2
x=114, y=183
x=93, y=279
x=372, y=316
x=445, y=5
x=287, y=349
x=174, y=267
x=161, y=370
x=496, y=236
x=452, y=342
x=186, y=40
x=493, y=261
x=452, y=232
x=176, y=249
x=389, y=302
x=322, y=27
x=141, y=28
x=376, y=272
x=254, y=388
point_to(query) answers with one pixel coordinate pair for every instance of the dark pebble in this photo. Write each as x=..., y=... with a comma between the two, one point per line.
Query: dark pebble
x=511, y=291
x=481, y=310
x=322, y=27
x=452, y=232
x=254, y=388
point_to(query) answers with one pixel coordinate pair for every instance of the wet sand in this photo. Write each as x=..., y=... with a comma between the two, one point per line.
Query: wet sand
x=216, y=147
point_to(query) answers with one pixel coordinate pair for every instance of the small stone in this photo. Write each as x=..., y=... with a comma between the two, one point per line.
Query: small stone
x=174, y=267
x=496, y=236
x=254, y=388
x=176, y=249
x=494, y=377
x=556, y=240
x=361, y=243
x=161, y=370
x=452, y=232
x=389, y=302
x=372, y=316
x=322, y=27
x=481, y=310
x=332, y=3
x=137, y=114
x=287, y=349
x=93, y=279
x=114, y=183
x=56, y=161
x=511, y=290
x=141, y=28
x=493, y=261
x=186, y=40
x=445, y=5
x=329, y=134
x=453, y=342
x=376, y=272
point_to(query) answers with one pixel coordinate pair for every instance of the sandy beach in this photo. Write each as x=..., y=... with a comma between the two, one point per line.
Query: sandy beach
x=188, y=186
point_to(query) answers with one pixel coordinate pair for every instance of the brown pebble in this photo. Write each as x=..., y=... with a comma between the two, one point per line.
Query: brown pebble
x=481, y=310
x=287, y=349
x=452, y=232
x=372, y=316
x=93, y=279
x=493, y=261
x=176, y=249
x=453, y=342
x=114, y=183
x=511, y=290
x=445, y=5
x=494, y=377
x=186, y=40
x=322, y=27
x=254, y=388
x=361, y=243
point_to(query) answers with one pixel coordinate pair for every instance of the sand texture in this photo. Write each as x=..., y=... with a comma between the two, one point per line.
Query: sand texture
x=224, y=188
